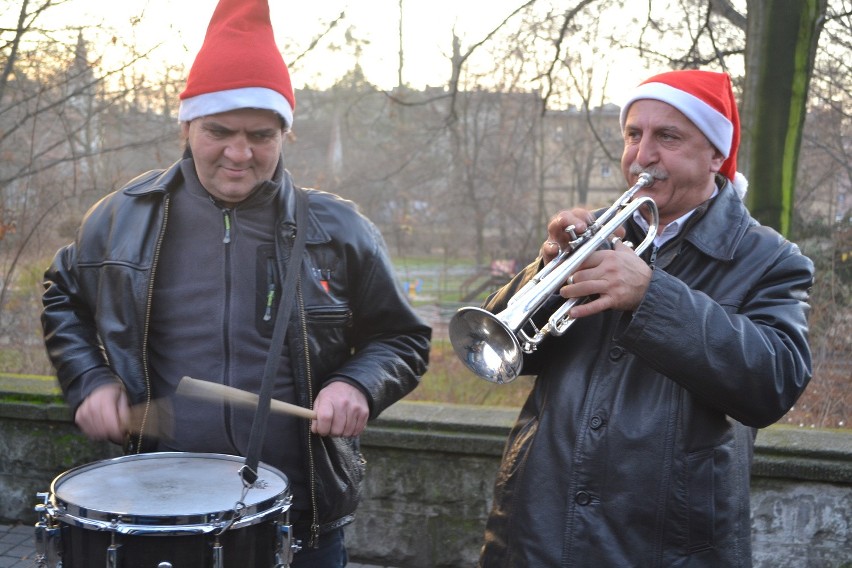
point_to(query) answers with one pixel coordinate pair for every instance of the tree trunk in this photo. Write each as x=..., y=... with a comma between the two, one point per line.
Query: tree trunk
x=780, y=47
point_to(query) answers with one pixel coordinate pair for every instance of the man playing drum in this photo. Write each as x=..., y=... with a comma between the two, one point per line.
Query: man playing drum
x=180, y=273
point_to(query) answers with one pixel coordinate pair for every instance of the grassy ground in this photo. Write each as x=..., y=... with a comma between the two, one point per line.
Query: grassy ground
x=449, y=381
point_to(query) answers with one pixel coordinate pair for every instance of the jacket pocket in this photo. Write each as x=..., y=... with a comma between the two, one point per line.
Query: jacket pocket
x=338, y=315
x=700, y=500
x=267, y=290
x=328, y=328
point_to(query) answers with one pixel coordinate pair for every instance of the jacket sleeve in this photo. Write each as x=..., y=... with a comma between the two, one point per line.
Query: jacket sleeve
x=391, y=343
x=745, y=353
x=70, y=335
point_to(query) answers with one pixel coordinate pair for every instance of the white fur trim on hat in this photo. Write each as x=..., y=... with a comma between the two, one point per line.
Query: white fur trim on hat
x=740, y=184
x=715, y=125
x=223, y=101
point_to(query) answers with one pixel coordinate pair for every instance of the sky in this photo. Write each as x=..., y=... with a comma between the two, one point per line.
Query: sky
x=427, y=28
x=178, y=27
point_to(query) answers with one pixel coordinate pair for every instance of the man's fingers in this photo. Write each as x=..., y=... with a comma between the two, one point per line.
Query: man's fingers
x=105, y=414
x=341, y=409
x=564, y=227
x=334, y=421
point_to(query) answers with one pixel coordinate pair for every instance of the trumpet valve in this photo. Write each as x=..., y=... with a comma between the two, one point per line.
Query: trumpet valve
x=576, y=240
x=572, y=231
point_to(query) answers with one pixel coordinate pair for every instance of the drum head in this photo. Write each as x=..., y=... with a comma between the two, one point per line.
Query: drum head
x=149, y=488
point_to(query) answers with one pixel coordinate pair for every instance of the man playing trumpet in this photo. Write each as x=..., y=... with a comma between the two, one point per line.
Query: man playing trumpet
x=634, y=446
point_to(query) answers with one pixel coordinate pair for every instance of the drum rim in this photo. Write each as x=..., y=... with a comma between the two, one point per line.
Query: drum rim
x=132, y=523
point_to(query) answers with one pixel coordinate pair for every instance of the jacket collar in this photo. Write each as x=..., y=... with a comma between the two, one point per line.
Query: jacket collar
x=161, y=181
x=155, y=181
x=718, y=232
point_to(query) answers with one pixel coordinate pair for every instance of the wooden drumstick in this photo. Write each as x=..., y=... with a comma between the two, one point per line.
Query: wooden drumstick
x=154, y=418
x=214, y=391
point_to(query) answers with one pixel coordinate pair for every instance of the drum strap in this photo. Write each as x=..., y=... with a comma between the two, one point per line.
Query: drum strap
x=273, y=360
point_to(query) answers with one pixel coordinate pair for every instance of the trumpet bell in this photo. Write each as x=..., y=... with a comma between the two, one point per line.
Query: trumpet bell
x=486, y=345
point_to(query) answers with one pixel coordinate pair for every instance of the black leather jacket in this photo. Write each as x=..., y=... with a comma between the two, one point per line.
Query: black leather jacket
x=97, y=307
x=635, y=445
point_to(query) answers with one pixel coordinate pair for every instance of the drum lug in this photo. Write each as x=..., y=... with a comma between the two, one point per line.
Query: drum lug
x=287, y=545
x=48, y=536
x=218, y=555
x=113, y=556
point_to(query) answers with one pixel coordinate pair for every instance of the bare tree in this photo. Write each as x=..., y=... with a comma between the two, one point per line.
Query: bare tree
x=61, y=114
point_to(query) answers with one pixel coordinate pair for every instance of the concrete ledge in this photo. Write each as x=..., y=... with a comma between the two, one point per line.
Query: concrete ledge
x=38, y=441
x=454, y=429
x=780, y=451
x=810, y=455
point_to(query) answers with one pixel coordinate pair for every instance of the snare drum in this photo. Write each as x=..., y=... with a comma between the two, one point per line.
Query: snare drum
x=165, y=509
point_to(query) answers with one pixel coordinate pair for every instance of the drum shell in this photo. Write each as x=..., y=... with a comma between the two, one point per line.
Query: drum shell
x=248, y=547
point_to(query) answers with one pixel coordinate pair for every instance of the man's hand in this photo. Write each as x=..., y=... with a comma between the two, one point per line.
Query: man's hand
x=617, y=277
x=558, y=239
x=342, y=410
x=105, y=414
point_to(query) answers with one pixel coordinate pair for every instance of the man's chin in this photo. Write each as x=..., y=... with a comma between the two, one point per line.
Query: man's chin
x=233, y=192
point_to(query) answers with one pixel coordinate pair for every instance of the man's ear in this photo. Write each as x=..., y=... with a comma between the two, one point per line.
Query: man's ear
x=716, y=161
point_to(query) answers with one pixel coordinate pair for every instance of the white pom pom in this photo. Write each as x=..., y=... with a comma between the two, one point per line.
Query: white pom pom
x=740, y=184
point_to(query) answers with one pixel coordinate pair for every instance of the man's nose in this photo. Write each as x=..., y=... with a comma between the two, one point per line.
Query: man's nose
x=238, y=150
x=647, y=151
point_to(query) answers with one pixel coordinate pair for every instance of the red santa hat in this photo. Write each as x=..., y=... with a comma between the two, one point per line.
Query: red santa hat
x=707, y=99
x=238, y=66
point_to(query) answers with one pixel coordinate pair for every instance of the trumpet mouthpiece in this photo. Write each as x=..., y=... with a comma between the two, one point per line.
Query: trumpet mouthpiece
x=645, y=179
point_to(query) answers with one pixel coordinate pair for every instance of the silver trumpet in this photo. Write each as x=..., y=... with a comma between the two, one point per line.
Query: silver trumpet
x=492, y=345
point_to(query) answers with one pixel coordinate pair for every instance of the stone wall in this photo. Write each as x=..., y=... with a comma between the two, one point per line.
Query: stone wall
x=430, y=473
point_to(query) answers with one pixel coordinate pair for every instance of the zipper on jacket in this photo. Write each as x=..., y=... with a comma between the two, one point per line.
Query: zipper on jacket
x=226, y=213
x=313, y=542
x=270, y=289
x=653, y=259
x=227, y=257
x=329, y=314
x=147, y=324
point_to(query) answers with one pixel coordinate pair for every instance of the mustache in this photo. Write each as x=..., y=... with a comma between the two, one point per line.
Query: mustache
x=655, y=172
